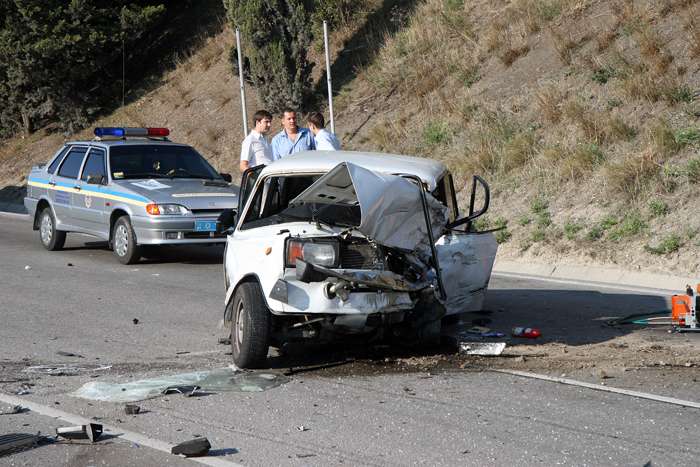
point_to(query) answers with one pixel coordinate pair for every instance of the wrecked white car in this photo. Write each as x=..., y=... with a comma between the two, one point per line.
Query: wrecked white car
x=327, y=244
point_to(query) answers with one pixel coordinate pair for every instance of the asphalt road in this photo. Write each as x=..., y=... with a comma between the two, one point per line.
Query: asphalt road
x=82, y=300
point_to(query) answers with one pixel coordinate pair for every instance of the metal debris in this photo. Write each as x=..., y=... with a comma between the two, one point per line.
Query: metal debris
x=91, y=431
x=187, y=391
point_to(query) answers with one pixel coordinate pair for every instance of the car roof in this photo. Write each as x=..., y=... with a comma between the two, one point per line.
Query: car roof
x=126, y=142
x=428, y=170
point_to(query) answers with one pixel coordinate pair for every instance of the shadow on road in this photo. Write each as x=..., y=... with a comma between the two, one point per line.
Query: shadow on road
x=569, y=317
x=12, y=199
x=186, y=254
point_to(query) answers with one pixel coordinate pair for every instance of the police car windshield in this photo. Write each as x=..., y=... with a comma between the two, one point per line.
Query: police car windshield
x=158, y=161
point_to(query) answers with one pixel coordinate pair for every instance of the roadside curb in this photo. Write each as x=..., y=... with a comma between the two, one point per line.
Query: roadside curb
x=595, y=275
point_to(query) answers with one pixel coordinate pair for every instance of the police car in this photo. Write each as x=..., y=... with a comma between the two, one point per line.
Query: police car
x=131, y=187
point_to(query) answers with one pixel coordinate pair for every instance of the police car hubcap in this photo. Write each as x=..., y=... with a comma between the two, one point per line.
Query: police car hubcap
x=121, y=241
x=46, y=228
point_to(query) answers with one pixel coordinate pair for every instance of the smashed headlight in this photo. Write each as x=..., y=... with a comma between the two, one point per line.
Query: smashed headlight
x=320, y=251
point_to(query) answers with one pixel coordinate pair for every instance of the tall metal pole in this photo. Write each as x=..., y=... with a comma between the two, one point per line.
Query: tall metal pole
x=328, y=75
x=240, y=79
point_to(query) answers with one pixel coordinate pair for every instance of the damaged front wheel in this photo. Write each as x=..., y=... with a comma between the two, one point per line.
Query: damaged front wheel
x=250, y=326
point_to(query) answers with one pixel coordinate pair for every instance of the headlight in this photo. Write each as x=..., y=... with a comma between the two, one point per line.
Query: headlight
x=320, y=251
x=166, y=210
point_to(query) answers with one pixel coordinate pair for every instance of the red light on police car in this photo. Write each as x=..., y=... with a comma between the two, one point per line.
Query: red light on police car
x=158, y=132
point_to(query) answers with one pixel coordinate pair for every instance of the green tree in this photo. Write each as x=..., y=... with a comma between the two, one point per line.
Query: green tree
x=278, y=34
x=60, y=60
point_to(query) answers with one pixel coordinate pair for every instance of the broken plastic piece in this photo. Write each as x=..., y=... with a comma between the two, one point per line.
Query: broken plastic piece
x=482, y=348
x=91, y=431
x=529, y=333
x=192, y=448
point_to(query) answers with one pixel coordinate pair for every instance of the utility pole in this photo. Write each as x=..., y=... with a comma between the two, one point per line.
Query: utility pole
x=328, y=76
x=242, y=83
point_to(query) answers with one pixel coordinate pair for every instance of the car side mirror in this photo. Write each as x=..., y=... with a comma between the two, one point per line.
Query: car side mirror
x=95, y=179
x=226, y=221
x=226, y=177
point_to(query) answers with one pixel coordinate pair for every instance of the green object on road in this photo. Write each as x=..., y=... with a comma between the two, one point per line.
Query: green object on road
x=222, y=379
x=632, y=319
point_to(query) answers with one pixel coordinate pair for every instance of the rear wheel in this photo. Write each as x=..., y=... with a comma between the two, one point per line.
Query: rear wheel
x=250, y=326
x=51, y=238
x=124, y=241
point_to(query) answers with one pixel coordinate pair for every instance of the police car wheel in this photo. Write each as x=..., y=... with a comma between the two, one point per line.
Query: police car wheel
x=51, y=238
x=124, y=241
x=250, y=327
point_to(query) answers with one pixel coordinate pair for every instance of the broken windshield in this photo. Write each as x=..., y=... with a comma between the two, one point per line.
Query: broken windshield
x=272, y=203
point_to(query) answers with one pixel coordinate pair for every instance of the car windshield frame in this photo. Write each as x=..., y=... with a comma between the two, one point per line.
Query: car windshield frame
x=251, y=217
x=169, y=161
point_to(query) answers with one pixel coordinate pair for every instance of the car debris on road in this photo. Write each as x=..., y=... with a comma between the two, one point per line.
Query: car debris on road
x=91, y=431
x=193, y=448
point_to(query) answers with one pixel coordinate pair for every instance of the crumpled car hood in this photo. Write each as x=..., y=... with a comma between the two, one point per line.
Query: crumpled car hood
x=390, y=205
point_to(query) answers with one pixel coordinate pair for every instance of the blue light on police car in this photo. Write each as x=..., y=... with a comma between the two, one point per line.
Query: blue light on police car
x=108, y=131
x=128, y=131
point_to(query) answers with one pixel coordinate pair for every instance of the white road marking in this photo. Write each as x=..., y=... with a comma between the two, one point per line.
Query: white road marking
x=601, y=285
x=114, y=430
x=600, y=387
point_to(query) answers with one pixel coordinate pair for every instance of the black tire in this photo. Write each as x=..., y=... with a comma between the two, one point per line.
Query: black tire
x=250, y=326
x=124, y=241
x=51, y=238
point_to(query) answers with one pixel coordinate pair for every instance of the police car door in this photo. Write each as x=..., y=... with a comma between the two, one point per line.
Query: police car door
x=66, y=180
x=88, y=204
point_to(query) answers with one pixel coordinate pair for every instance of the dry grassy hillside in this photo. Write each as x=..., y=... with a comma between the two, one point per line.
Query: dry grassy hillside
x=582, y=114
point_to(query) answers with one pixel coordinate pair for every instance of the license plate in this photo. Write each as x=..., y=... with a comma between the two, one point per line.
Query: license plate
x=205, y=226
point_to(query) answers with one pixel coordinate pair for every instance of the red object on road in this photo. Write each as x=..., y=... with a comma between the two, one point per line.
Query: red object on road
x=529, y=333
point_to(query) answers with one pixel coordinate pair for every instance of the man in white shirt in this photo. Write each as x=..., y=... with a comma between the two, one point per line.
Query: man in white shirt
x=325, y=140
x=255, y=150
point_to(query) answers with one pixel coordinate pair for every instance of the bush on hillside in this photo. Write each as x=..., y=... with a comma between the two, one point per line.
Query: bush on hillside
x=61, y=61
x=278, y=36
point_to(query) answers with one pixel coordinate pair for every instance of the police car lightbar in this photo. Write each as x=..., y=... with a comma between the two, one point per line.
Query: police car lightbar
x=101, y=132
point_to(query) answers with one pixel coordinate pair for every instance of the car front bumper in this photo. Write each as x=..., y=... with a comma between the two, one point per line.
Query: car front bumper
x=172, y=231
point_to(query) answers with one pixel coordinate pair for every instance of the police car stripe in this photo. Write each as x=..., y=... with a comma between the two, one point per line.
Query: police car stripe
x=111, y=195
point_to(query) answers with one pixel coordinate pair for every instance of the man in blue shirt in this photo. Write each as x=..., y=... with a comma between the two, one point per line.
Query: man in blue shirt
x=292, y=138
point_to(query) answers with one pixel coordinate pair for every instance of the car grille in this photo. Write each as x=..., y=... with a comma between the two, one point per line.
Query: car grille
x=359, y=256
